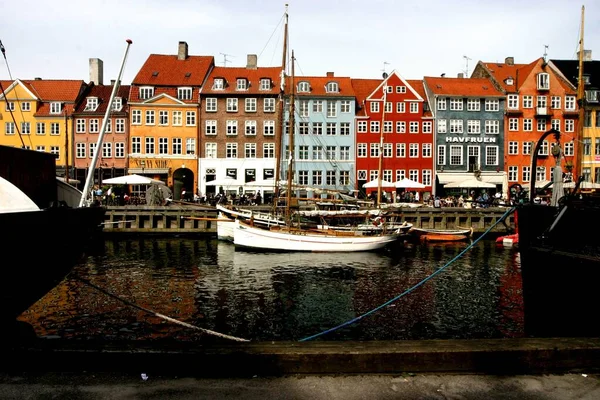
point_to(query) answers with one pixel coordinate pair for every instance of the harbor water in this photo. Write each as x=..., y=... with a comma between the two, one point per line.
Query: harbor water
x=126, y=286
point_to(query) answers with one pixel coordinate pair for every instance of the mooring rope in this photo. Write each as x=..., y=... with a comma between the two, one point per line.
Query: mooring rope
x=387, y=303
x=207, y=331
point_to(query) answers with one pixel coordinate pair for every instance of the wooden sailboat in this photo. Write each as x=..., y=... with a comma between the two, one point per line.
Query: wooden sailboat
x=298, y=238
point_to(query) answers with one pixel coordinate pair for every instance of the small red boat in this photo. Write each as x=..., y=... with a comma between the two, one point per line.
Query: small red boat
x=442, y=235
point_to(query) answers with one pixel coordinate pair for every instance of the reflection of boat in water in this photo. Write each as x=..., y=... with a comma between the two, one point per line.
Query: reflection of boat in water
x=44, y=242
x=442, y=235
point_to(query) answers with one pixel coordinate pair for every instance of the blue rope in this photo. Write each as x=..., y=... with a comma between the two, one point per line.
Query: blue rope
x=387, y=303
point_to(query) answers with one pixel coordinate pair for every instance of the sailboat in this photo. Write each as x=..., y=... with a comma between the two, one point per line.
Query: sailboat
x=294, y=237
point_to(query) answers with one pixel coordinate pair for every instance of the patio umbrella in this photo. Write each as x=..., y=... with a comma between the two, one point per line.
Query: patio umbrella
x=375, y=184
x=132, y=179
x=406, y=183
x=471, y=183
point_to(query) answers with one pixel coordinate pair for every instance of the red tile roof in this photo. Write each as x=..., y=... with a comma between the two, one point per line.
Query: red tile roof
x=168, y=70
x=51, y=90
x=362, y=89
x=503, y=71
x=318, y=83
x=253, y=75
x=462, y=86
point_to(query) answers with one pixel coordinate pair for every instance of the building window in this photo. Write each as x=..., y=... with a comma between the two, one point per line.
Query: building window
x=80, y=150
x=250, y=150
x=413, y=150
x=361, y=150
x=26, y=106
x=184, y=93
x=303, y=87
x=55, y=108
x=441, y=155
x=344, y=128
x=543, y=81
x=265, y=84
x=414, y=107
x=150, y=145
x=332, y=87
x=40, y=128
x=513, y=148
x=136, y=145
x=210, y=127
x=231, y=127
x=492, y=127
x=136, y=117
x=250, y=105
x=473, y=105
x=491, y=155
x=269, y=105
x=528, y=101
x=231, y=150
x=120, y=125
x=107, y=150
x=146, y=92
x=210, y=150
x=441, y=103
x=400, y=150
x=513, y=101
x=345, y=106
x=426, y=150
x=513, y=173
x=232, y=104
x=163, y=145
x=268, y=150
x=211, y=104
x=331, y=109
x=190, y=118
x=456, y=104
x=441, y=126
x=361, y=127
x=473, y=126
x=570, y=103
x=250, y=128
x=117, y=104
x=492, y=105
x=269, y=128
x=149, y=117
x=218, y=84
x=55, y=128
x=456, y=155
x=163, y=118
x=91, y=104
x=120, y=150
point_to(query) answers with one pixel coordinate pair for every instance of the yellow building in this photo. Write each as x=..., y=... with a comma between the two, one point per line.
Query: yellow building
x=36, y=114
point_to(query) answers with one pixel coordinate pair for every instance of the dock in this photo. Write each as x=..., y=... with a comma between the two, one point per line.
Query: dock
x=202, y=219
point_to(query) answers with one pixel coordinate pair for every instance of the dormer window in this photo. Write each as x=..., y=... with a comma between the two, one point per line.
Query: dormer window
x=543, y=81
x=184, y=93
x=117, y=104
x=242, y=84
x=265, y=84
x=303, y=87
x=146, y=92
x=586, y=79
x=332, y=87
x=218, y=84
x=509, y=81
x=92, y=104
x=55, y=107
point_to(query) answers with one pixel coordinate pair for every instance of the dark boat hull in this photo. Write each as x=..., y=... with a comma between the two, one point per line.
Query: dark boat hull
x=560, y=269
x=39, y=249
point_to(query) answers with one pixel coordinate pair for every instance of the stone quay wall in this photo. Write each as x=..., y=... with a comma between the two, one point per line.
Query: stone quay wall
x=195, y=219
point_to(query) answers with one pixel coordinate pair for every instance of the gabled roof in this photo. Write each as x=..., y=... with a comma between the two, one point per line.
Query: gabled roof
x=362, y=89
x=386, y=81
x=419, y=87
x=103, y=92
x=49, y=90
x=319, y=83
x=253, y=75
x=570, y=71
x=464, y=87
x=502, y=71
x=168, y=70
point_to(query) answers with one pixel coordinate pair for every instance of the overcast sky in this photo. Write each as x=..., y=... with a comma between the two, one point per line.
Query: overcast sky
x=417, y=38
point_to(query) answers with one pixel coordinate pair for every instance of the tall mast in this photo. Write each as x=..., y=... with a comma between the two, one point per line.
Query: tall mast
x=379, y=170
x=92, y=167
x=580, y=104
x=279, y=138
x=290, y=176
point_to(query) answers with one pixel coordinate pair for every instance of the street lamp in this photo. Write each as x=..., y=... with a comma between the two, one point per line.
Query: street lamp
x=143, y=164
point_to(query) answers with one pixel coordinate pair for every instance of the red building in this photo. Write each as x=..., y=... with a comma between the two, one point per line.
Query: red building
x=394, y=128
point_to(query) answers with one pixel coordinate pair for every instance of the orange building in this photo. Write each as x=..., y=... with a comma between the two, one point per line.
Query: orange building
x=538, y=99
x=164, y=118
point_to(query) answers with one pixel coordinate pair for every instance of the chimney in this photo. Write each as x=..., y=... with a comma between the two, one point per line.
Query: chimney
x=251, y=61
x=460, y=75
x=330, y=74
x=443, y=75
x=587, y=55
x=96, y=71
x=509, y=61
x=182, y=51
x=38, y=78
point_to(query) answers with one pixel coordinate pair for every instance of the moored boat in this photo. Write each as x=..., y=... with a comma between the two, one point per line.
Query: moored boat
x=441, y=235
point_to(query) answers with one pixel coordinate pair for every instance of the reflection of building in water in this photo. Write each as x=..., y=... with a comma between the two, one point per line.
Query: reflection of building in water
x=282, y=296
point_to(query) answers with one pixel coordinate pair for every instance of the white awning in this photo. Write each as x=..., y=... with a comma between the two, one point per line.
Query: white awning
x=497, y=178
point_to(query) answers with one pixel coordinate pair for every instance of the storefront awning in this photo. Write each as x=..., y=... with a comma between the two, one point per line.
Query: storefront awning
x=497, y=178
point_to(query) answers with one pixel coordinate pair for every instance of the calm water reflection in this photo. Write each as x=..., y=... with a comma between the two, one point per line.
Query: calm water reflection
x=285, y=296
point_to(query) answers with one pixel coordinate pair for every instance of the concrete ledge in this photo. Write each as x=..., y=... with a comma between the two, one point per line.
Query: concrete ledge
x=495, y=356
